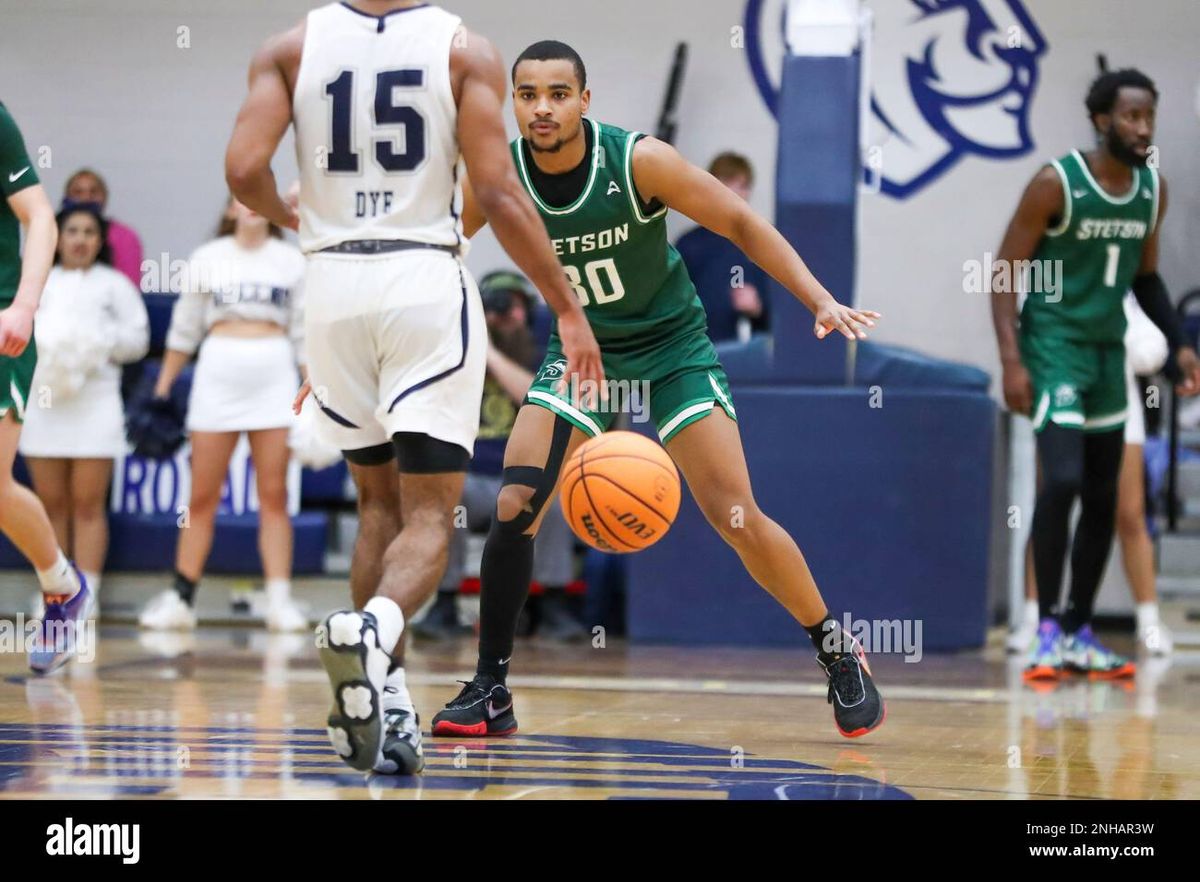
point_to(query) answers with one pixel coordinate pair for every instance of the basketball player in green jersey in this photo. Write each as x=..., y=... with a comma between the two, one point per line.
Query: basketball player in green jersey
x=1090, y=221
x=22, y=518
x=604, y=194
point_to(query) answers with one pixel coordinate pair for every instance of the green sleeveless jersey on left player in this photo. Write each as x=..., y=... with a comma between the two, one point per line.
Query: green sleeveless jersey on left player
x=1094, y=254
x=16, y=174
x=631, y=281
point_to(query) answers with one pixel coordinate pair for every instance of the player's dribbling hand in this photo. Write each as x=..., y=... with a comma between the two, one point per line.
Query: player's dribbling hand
x=583, y=356
x=298, y=403
x=1018, y=389
x=851, y=323
x=1189, y=366
x=16, y=327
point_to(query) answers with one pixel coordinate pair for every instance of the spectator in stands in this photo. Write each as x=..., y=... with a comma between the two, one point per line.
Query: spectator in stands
x=240, y=304
x=731, y=286
x=91, y=320
x=86, y=186
x=513, y=355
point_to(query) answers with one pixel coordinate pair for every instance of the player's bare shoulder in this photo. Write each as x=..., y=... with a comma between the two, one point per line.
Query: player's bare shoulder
x=1046, y=189
x=473, y=55
x=283, y=51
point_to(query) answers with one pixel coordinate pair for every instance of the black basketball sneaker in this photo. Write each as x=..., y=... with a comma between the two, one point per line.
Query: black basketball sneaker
x=858, y=708
x=484, y=707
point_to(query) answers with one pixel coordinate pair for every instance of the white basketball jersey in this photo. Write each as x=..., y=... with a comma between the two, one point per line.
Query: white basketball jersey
x=377, y=128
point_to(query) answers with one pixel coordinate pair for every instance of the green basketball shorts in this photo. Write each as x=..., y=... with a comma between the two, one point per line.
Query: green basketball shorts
x=1075, y=384
x=674, y=383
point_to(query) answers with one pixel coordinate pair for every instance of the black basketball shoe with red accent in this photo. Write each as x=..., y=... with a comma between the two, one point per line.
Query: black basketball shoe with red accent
x=484, y=707
x=858, y=708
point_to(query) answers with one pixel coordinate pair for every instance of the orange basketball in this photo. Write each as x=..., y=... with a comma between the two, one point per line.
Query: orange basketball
x=620, y=492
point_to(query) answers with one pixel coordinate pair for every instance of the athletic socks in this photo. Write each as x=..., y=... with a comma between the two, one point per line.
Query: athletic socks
x=389, y=621
x=185, y=588
x=830, y=640
x=395, y=692
x=60, y=578
x=278, y=591
x=1147, y=615
x=505, y=573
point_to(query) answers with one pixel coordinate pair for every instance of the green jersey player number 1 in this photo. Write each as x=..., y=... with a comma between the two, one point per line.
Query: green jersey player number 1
x=635, y=289
x=1072, y=332
x=16, y=174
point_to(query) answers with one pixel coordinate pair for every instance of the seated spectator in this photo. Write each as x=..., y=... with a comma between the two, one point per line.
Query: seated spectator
x=86, y=186
x=732, y=288
x=91, y=320
x=512, y=357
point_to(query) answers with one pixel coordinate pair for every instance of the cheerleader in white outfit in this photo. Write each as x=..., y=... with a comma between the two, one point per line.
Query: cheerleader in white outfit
x=1146, y=352
x=241, y=310
x=91, y=321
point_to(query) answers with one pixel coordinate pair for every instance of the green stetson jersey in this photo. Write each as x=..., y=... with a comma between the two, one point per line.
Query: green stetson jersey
x=1089, y=260
x=614, y=248
x=16, y=174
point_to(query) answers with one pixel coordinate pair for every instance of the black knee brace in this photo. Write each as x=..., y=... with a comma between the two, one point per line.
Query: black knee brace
x=541, y=480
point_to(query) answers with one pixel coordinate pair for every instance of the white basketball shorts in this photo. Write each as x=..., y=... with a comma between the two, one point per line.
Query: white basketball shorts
x=396, y=343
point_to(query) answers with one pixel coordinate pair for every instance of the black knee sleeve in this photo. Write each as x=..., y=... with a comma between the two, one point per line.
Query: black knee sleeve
x=371, y=456
x=419, y=454
x=507, y=565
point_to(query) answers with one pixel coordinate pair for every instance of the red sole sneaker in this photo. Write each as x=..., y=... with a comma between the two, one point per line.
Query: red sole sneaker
x=859, y=733
x=443, y=728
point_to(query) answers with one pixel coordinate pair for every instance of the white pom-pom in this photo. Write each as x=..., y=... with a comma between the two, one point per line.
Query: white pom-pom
x=307, y=447
x=70, y=350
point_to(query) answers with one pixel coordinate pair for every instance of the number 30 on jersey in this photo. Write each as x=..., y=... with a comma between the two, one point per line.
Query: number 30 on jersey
x=603, y=282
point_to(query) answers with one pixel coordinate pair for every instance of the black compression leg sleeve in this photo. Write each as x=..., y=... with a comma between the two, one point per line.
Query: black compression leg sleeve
x=505, y=572
x=507, y=565
x=1061, y=453
x=1094, y=534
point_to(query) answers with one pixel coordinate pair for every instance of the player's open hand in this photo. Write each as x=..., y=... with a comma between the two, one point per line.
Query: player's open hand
x=1189, y=366
x=1018, y=389
x=298, y=403
x=583, y=356
x=851, y=323
x=16, y=327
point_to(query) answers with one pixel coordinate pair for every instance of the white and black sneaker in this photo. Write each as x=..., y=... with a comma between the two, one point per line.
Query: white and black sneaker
x=402, y=753
x=348, y=642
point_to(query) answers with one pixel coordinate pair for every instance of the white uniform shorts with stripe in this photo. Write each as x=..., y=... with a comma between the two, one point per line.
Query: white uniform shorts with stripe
x=396, y=343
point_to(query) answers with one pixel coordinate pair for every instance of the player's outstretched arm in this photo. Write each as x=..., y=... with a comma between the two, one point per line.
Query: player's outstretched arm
x=661, y=173
x=1151, y=293
x=479, y=83
x=1042, y=202
x=261, y=124
x=32, y=208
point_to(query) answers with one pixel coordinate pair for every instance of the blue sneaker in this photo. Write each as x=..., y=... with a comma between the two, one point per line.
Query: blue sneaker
x=59, y=631
x=1045, y=655
x=1084, y=654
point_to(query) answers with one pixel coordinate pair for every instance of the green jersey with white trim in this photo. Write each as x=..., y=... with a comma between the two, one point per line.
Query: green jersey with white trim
x=631, y=281
x=1089, y=260
x=16, y=174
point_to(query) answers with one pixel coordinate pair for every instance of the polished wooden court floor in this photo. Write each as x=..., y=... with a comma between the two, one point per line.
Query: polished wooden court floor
x=233, y=712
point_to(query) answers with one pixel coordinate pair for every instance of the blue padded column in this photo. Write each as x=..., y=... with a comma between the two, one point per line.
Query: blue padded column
x=817, y=177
